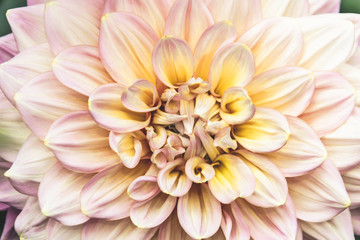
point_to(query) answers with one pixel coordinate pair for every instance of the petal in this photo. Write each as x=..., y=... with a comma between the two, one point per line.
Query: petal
x=77, y=28
x=352, y=74
x=331, y=105
x=352, y=184
x=9, y=195
x=27, y=25
x=108, y=111
x=267, y=131
x=355, y=217
x=291, y=8
x=104, y=193
x=80, y=144
x=270, y=185
x=173, y=61
x=199, y=212
x=58, y=231
x=59, y=195
x=157, y=136
x=224, y=140
x=328, y=42
x=171, y=229
x=324, y=6
x=288, y=89
x=164, y=118
x=317, y=199
x=126, y=43
x=233, y=223
x=232, y=66
x=198, y=170
x=211, y=40
x=188, y=19
x=14, y=74
x=233, y=179
x=8, y=47
x=303, y=151
x=275, y=42
x=143, y=188
x=80, y=69
x=33, y=2
x=153, y=212
x=8, y=230
x=41, y=101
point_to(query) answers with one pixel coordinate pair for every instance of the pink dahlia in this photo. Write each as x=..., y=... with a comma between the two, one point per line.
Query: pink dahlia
x=187, y=119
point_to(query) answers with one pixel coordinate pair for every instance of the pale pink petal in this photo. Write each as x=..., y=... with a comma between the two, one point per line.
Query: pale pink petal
x=8, y=232
x=108, y=111
x=171, y=229
x=8, y=47
x=199, y=212
x=77, y=28
x=269, y=223
x=27, y=25
x=288, y=89
x=151, y=213
x=303, y=151
x=173, y=61
x=116, y=230
x=80, y=144
x=188, y=19
x=337, y=228
x=233, y=223
x=324, y=6
x=41, y=101
x=15, y=73
x=328, y=42
x=33, y=2
x=9, y=195
x=355, y=217
x=198, y=170
x=352, y=185
x=352, y=73
x=267, y=131
x=80, y=69
x=57, y=231
x=243, y=14
x=33, y=161
x=270, y=185
x=104, y=193
x=143, y=188
x=156, y=135
x=315, y=197
x=275, y=42
x=59, y=195
x=126, y=43
x=290, y=8
x=332, y=103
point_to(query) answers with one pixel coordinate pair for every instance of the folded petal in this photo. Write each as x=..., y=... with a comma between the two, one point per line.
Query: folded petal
x=199, y=212
x=233, y=223
x=143, y=188
x=267, y=131
x=58, y=231
x=274, y=42
x=108, y=111
x=317, y=199
x=173, y=61
x=41, y=101
x=171, y=229
x=198, y=170
x=8, y=47
x=291, y=8
x=331, y=105
x=27, y=25
x=287, y=89
x=59, y=195
x=352, y=184
x=188, y=19
x=77, y=28
x=157, y=136
x=303, y=151
x=80, y=69
x=324, y=6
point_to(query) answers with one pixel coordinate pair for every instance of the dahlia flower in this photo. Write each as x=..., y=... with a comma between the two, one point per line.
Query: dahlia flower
x=186, y=119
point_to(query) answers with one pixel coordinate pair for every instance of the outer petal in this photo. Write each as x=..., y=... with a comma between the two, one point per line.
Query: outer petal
x=41, y=101
x=8, y=47
x=331, y=105
x=352, y=185
x=289, y=8
x=80, y=69
x=328, y=42
x=355, y=215
x=143, y=188
x=171, y=229
x=199, y=212
x=58, y=231
x=352, y=73
x=9, y=195
x=267, y=131
x=80, y=144
x=126, y=44
x=274, y=42
x=288, y=89
x=77, y=28
x=59, y=195
x=9, y=231
x=108, y=111
x=303, y=151
x=233, y=223
x=317, y=199
x=27, y=25
x=324, y=6
x=33, y=2
x=188, y=19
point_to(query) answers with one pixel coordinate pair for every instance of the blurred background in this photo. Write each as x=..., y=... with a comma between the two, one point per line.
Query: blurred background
x=347, y=6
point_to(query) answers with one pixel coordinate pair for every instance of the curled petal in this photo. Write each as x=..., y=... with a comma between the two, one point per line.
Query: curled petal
x=143, y=188
x=206, y=139
x=159, y=157
x=324, y=6
x=193, y=87
x=187, y=109
x=224, y=140
x=175, y=146
x=164, y=118
x=198, y=170
x=8, y=47
x=291, y=8
x=156, y=135
x=203, y=105
x=172, y=99
x=58, y=231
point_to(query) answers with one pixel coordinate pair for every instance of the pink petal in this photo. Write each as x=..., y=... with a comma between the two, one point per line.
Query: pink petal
x=9, y=195
x=8, y=47
x=59, y=195
x=171, y=229
x=331, y=105
x=9, y=232
x=58, y=231
x=143, y=188
x=188, y=19
x=284, y=37
x=292, y=8
x=27, y=25
x=302, y=153
x=126, y=43
x=233, y=223
x=80, y=69
x=77, y=28
x=352, y=185
x=351, y=73
x=317, y=199
x=41, y=101
x=33, y=2
x=80, y=144
x=198, y=170
x=355, y=217
x=324, y=6
x=199, y=212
